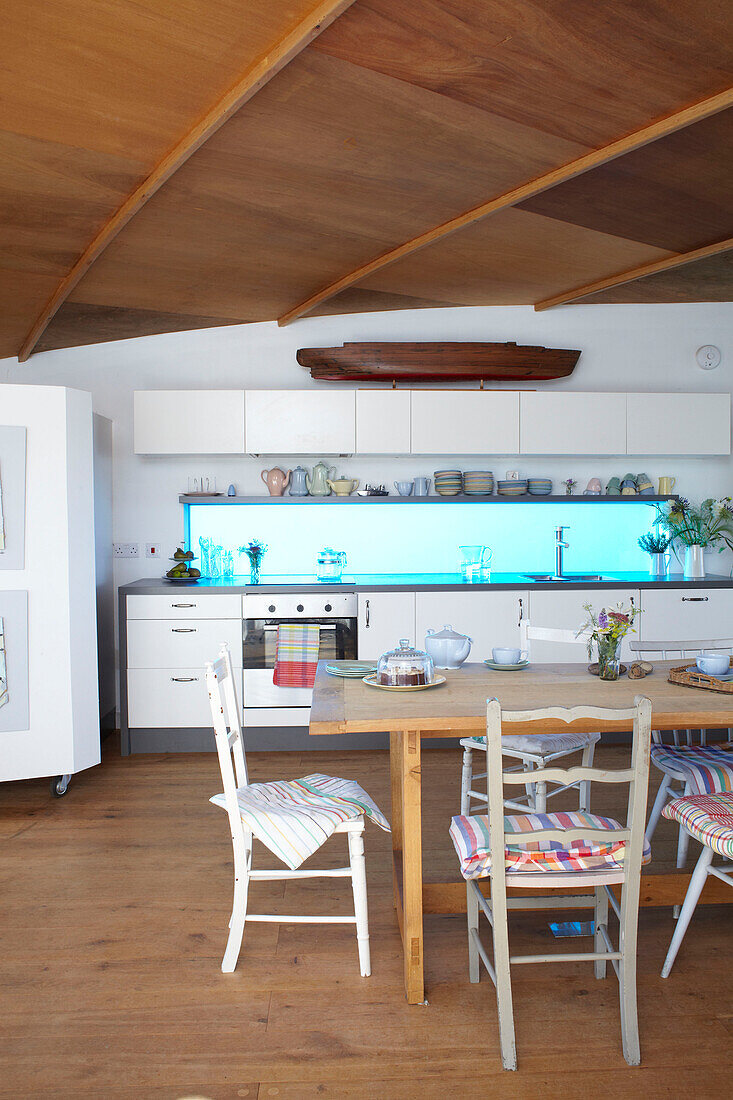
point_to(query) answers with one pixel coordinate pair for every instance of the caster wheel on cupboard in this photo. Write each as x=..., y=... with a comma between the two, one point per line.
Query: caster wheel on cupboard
x=60, y=785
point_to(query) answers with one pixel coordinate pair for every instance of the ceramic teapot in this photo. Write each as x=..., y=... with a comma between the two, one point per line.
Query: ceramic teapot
x=275, y=480
x=344, y=486
x=447, y=647
x=298, y=482
x=318, y=482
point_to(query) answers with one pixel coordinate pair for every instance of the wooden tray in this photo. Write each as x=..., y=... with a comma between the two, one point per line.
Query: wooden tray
x=690, y=676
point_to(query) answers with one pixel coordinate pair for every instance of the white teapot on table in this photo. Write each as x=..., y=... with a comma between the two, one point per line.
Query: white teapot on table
x=447, y=647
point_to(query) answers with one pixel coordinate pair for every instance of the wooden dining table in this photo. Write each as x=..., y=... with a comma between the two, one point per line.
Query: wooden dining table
x=457, y=709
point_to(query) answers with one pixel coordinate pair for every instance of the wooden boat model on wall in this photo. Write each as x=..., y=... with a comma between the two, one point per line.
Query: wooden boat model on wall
x=437, y=362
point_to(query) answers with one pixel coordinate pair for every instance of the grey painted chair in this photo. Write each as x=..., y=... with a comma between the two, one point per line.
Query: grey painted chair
x=612, y=866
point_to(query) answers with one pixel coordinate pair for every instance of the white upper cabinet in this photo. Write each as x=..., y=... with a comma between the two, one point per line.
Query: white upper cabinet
x=678, y=423
x=465, y=422
x=562, y=423
x=189, y=422
x=301, y=422
x=383, y=422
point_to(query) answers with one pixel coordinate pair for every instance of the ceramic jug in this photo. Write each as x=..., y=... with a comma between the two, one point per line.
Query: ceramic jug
x=447, y=647
x=275, y=480
x=344, y=486
x=318, y=482
x=298, y=482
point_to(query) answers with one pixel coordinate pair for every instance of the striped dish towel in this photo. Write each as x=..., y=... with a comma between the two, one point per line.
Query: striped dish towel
x=293, y=819
x=296, y=655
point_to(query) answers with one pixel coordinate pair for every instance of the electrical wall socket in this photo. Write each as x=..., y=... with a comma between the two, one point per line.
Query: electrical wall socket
x=125, y=550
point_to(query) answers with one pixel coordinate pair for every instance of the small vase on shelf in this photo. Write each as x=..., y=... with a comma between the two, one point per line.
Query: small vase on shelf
x=608, y=658
x=657, y=565
x=694, y=563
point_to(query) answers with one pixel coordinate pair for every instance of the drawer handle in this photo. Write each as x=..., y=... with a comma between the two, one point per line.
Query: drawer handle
x=184, y=605
x=183, y=629
x=695, y=599
x=184, y=679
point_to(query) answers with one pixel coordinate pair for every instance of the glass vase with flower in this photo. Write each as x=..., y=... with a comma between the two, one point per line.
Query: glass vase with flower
x=605, y=631
x=255, y=551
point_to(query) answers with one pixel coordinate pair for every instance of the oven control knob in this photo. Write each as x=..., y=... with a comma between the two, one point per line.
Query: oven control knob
x=299, y=607
x=328, y=607
x=271, y=607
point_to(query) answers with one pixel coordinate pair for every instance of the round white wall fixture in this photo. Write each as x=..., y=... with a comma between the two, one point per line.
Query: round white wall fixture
x=708, y=357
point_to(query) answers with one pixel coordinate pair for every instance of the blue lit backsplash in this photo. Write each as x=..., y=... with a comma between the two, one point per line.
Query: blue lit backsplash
x=424, y=538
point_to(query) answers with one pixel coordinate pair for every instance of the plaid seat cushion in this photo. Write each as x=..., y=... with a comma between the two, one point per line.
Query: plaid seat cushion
x=541, y=744
x=706, y=817
x=470, y=836
x=707, y=768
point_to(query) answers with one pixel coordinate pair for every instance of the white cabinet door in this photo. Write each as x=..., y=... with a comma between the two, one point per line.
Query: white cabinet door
x=489, y=618
x=692, y=614
x=678, y=423
x=572, y=423
x=300, y=422
x=565, y=610
x=185, y=602
x=384, y=618
x=465, y=422
x=383, y=422
x=194, y=422
x=170, y=698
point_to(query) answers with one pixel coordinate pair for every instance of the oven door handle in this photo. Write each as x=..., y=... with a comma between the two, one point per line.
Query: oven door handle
x=321, y=626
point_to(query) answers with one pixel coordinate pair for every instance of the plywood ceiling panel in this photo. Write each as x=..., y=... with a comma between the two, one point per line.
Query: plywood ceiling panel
x=514, y=258
x=585, y=70
x=675, y=193
x=327, y=165
x=75, y=325
x=708, y=280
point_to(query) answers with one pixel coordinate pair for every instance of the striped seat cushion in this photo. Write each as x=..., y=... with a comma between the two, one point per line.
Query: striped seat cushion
x=470, y=836
x=544, y=744
x=706, y=817
x=707, y=768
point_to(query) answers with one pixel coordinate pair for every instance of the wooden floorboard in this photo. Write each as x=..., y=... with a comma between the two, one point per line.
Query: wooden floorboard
x=114, y=904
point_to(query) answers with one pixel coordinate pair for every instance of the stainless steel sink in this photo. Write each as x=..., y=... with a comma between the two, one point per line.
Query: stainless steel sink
x=566, y=577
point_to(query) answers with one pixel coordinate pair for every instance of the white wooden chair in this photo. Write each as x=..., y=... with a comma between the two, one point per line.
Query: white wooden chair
x=610, y=855
x=534, y=752
x=709, y=819
x=232, y=761
x=688, y=747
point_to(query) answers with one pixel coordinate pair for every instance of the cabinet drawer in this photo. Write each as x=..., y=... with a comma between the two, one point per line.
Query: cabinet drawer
x=170, y=698
x=183, y=643
x=686, y=614
x=185, y=604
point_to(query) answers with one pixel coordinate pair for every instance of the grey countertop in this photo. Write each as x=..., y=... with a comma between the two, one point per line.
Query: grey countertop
x=415, y=582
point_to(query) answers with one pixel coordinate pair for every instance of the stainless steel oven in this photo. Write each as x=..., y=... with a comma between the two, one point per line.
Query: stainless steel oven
x=266, y=704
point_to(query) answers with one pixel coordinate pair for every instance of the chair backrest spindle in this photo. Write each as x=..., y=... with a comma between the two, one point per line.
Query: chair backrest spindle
x=227, y=729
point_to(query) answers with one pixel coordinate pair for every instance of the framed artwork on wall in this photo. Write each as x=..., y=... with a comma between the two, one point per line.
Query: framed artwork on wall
x=12, y=496
x=14, y=701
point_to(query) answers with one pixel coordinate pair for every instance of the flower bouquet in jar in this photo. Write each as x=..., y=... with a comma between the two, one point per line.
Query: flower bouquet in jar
x=606, y=630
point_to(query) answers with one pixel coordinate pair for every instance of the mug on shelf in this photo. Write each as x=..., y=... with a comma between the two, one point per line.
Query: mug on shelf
x=666, y=486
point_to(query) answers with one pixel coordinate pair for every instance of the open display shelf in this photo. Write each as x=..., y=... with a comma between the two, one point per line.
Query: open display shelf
x=460, y=498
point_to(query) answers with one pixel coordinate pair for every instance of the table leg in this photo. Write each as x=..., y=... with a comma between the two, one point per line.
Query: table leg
x=412, y=922
x=395, y=771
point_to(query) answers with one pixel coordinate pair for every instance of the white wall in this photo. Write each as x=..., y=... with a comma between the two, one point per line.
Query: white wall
x=623, y=348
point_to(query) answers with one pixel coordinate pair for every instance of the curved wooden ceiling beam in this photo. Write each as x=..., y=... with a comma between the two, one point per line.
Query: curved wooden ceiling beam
x=635, y=273
x=597, y=157
x=252, y=80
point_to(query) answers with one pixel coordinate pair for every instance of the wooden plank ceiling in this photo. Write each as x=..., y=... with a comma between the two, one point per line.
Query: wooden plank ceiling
x=169, y=165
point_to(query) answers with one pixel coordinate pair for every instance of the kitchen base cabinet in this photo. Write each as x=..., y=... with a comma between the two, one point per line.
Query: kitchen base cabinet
x=384, y=618
x=489, y=618
x=161, y=698
x=565, y=611
x=687, y=614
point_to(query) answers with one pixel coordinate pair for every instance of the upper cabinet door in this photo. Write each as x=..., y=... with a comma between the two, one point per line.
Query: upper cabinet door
x=465, y=422
x=563, y=423
x=189, y=422
x=383, y=422
x=678, y=423
x=301, y=422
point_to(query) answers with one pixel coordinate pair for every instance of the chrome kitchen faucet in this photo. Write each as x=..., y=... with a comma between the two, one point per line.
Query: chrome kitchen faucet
x=560, y=545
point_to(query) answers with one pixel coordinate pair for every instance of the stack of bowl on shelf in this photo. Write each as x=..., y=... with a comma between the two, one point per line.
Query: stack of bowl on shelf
x=448, y=483
x=539, y=486
x=478, y=483
x=514, y=487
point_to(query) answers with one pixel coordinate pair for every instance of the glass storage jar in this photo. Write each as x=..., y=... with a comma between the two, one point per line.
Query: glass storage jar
x=405, y=666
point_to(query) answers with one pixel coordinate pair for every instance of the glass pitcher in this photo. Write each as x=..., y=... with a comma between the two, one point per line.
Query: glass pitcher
x=476, y=563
